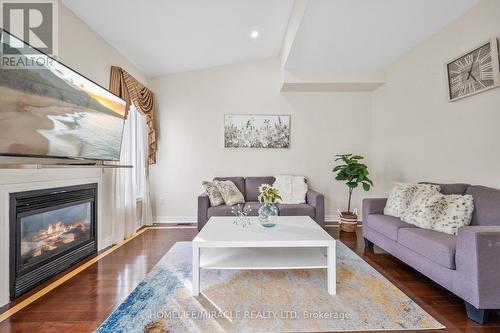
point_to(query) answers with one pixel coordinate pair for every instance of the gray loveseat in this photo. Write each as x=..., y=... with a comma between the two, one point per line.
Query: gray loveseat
x=314, y=206
x=467, y=264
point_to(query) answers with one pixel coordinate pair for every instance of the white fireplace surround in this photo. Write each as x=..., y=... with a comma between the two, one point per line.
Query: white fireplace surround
x=5, y=190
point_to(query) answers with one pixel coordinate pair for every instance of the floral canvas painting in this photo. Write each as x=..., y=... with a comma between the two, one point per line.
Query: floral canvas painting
x=256, y=131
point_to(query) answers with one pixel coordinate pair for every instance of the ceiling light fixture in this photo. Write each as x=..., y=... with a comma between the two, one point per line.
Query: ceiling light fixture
x=254, y=34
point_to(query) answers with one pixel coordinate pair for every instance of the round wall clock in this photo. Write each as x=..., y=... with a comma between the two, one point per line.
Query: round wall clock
x=474, y=72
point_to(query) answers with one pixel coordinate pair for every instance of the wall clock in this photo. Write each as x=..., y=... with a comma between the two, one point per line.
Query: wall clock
x=474, y=72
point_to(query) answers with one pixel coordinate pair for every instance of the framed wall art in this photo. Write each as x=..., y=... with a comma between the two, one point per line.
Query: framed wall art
x=256, y=131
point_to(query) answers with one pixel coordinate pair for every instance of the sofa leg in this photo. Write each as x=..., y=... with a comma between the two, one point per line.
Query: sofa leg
x=478, y=315
x=368, y=244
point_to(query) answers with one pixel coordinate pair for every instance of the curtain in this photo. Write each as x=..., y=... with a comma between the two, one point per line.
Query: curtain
x=124, y=215
x=141, y=167
x=131, y=186
x=134, y=92
x=132, y=200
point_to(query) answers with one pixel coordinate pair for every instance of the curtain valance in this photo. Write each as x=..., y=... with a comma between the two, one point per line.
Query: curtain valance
x=132, y=91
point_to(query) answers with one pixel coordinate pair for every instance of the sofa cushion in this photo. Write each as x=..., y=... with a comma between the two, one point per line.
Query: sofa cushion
x=486, y=205
x=222, y=210
x=252, y=186
x=296, y=210
x=435, y=246
x=386, y=225
x=254, y=206
x=457, y=188
x=238, y=181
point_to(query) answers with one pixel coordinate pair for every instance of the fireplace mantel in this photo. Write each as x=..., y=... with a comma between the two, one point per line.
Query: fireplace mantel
x=5, y=191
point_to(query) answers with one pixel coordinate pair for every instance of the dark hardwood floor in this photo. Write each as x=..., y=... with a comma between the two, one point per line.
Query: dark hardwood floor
x=84, y=301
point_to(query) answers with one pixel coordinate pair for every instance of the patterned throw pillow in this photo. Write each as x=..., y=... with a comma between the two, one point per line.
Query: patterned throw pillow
x=439, y=212
x=455, y=212
x=213, y=193
x=423, y=209
x=401, y=196
x=230, y=192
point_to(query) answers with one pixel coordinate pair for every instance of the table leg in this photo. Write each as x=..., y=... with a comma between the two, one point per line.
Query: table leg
x=196, y=270
x=331, y=270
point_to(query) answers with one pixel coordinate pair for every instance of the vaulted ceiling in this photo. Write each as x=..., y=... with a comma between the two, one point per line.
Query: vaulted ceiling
x=167, y=36
x=367, y=34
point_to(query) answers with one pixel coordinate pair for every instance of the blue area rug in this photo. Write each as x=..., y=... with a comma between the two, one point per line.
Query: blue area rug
x=265, y=301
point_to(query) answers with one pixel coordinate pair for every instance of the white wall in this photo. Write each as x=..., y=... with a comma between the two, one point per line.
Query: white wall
x=191, y=110
x=417, y=134
x=83, y=50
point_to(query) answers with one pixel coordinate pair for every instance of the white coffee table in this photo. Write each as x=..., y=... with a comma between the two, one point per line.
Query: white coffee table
x=296, y=242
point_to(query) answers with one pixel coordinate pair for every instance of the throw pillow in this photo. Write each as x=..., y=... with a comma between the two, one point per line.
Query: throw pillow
x=423, y=209
x=213, y=193
x=293, y=189
x=455, y=212
x=401, y=196
x=439, y=212
x=229, y=192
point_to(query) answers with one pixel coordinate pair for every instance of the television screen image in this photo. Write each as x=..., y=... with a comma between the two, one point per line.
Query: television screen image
x=52, y=111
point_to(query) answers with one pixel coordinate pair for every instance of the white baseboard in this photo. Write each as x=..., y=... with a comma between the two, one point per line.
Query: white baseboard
x=175, y=219
x=193, y=219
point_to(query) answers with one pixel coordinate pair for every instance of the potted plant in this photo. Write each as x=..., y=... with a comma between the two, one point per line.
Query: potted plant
x=268, y=212
x=351, y=171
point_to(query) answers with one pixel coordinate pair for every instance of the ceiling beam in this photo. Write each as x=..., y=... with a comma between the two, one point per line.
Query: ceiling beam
x=332, y=80
x=298, y=10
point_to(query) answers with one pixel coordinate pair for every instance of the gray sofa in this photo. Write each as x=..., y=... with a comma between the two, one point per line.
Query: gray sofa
x=467, y=264
x=314, y=206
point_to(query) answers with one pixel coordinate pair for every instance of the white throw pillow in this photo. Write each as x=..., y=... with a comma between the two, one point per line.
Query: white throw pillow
x=229, y=192
x=283, y=184
x=293, y=189
x=401, y=196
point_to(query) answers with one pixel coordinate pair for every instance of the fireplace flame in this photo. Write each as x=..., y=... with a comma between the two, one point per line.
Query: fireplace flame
x=55, y=230
x=55, y=235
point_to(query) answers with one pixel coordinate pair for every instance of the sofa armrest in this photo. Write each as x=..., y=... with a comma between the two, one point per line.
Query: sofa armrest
x=373, y=206
x=203, y=204
x=317, y=200
x=478, y=266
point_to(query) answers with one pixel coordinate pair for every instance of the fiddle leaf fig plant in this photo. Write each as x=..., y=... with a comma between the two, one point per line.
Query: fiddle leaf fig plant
x=351, y=171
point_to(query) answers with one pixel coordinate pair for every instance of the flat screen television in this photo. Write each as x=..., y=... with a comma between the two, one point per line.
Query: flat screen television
x=50, y=110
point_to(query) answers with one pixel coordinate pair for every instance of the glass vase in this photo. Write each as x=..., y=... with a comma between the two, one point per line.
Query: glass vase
x=268, y=215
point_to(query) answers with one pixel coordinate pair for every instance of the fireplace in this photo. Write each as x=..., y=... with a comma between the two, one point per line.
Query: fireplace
x=50, y=230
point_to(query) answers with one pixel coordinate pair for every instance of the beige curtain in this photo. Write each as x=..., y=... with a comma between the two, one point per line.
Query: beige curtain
x=132, y=91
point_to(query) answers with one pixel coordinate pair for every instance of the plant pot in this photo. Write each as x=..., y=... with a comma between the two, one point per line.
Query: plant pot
x=348, y=222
